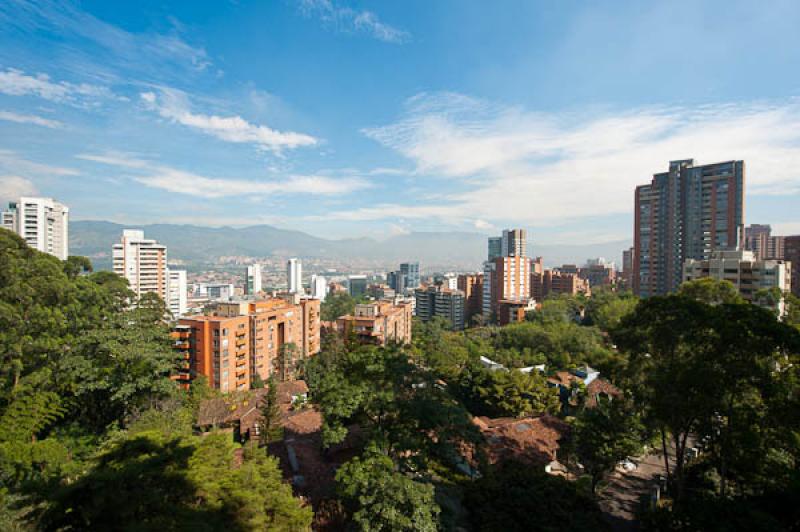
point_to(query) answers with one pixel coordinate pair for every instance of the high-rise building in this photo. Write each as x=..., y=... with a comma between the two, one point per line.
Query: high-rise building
x=685, y=213
x=252, y=279
x=627, y=268
x=747, y=273
x=791, y=254
x=513, y=242
x=143, y=262
x=507, y=277
x=357, y=285
x=396, y=281
x=759, y=240
x=411, y=272
x=442, y=302
x=176, y=293
x=294, y=276
x=495, y=248
x=42, y=222
x=319, y=287
x=472, y=287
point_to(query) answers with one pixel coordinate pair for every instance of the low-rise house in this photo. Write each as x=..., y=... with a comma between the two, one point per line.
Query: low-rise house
x=584, y=381
x=533, y=440
x=240, y=412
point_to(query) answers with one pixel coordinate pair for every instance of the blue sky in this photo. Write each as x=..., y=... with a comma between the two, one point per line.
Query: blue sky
x=369, y=118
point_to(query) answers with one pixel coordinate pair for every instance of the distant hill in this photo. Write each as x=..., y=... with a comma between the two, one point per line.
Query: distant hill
x=203, y=245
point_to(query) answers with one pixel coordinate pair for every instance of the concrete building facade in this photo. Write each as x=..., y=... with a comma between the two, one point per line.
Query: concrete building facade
x=143, y=262
x=442, y=302
x=747, y=273
x=42, y=222
x=294, y=276
x=177, y=291
x=252, y=280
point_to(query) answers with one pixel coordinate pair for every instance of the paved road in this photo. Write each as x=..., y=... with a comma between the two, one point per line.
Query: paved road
x=620, y=498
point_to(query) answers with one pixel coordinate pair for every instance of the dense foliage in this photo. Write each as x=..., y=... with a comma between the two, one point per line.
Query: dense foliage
x=93, y=433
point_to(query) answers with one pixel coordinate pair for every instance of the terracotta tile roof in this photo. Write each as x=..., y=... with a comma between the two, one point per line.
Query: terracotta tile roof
x=533, y=440
x=229, y=408
x=563, y=378
x=232, y=407
x=600, y=387
x=306, y=421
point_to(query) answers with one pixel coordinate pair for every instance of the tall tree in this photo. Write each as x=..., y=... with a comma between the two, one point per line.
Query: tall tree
x=270, y=423
x=603, y=436
x=382, y=499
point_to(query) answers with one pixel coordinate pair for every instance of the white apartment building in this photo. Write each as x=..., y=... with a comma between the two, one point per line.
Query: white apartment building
x=142, y=262
x=42, y=222
x=176, y=293
x=294, y=276
x=252, y=283
x=319, y=287
x=748, y=274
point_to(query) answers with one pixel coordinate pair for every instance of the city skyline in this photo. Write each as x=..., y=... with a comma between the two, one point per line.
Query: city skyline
x=396, y=122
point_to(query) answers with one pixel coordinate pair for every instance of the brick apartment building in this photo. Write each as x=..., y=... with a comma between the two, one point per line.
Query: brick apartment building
x=557, y=282
x=378, y=322
x=472, y=287
x=240, y=340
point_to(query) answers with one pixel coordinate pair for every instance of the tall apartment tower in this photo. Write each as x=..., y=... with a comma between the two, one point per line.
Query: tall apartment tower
x=507, y=277
x=176, y=292
x=143, y=262
x=792, y=256
x=411, y=272
x=319, y=287
x=685, y=213
x=294, y=276
x=42, y=222
x=252, y=282
x=495, y=248
x=513, y=243
x=758, y=239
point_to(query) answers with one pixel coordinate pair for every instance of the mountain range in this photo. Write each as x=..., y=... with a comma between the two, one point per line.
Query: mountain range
x=197, y=245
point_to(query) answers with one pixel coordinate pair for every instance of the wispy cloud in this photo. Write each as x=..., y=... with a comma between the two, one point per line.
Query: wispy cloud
x=13, y=163
x=10, y=116
x=346, y=19
x=17, y=83
x=183, y=182
x=509, y=163
x=174, y=105
x=13, y=186
x=113, y=51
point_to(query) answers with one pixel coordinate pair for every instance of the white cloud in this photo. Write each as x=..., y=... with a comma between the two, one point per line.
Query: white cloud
x=346, y=19
x=12, y=187
x=12, y=163
x=173, y=105
x=10, y=116
x=115, y=159
x=786, y=228
x=17, y=83
x=543, y=168
x=182, y=182
x=483, y=225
